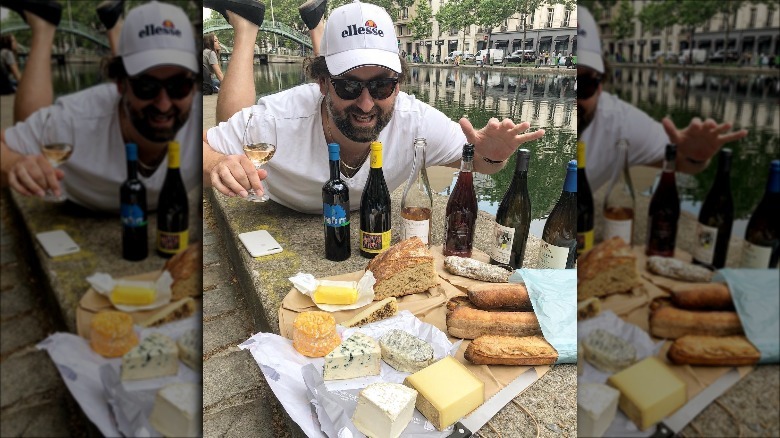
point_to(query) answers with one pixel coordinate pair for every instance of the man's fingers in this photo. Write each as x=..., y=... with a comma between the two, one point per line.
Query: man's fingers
x=216, y=182
x=29, y=182
x=13, y=181
x=520, y=128
x=671, y=130
x=530, y=136
x=468, y=130
x=733, y=136
x=228, y=178
x=251, y=173
x=723, y=128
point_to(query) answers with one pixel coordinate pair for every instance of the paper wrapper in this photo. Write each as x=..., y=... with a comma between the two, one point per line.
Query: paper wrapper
x=307, y=285
x=634, y=308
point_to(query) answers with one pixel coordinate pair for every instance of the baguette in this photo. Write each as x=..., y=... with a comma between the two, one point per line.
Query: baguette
x=509, y=296
x=466, y=322
x=713, y=351
x=712, y=296
x=671, y=323
x=475, y=269
x=510, y=350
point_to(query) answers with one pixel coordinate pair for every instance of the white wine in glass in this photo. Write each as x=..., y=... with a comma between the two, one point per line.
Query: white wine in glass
x=259, y=154
x=57, y=148
x=57, y=153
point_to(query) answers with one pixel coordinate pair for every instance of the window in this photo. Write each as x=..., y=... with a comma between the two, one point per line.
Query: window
x=532, y=21
x=752, y=22
x=566, y=18
x=769, y=15
x=707, y=24
x=550, y=15
x=453, y=31
x=405, y=14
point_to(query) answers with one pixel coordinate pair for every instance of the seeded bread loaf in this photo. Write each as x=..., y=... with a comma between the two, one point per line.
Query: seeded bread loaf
x=713, y=351
x=403, y=269
x=671, y=323
x=609, y=268
x=510, y=350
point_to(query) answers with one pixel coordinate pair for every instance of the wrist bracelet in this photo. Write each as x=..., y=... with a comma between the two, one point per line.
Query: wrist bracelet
x=489, y=161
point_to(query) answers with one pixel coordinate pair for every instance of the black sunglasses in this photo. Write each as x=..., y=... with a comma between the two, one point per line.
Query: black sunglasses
x=349, y=89
x=587, y=85
x=147, y=87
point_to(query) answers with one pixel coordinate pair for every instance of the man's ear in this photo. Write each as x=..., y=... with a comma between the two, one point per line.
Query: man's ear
x=323, y=86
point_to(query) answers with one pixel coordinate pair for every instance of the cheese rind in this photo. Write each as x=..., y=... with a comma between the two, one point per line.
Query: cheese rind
x=596, y=408
x=608, y=352
x=405, y=352
x=373, y=313
x=314, y=333
x=177, y=410
x=156, y=356
x=358, y=356
x=384, y=409
x=649, y=391
x=447, y=391
x=190, y=346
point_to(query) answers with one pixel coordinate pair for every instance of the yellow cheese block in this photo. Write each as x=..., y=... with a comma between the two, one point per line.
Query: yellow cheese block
x=133, y=295
x=447, y=391
x=649, y=391
x=335, y=295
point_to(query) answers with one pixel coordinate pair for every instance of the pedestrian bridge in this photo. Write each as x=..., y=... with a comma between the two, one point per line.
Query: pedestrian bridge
x=73, y=27
x=281, y=29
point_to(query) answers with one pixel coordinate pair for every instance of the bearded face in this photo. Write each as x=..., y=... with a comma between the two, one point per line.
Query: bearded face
x=356, y=124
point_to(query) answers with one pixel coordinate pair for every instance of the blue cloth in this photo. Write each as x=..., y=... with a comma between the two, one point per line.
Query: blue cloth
x=553, y=293
x=756, y=296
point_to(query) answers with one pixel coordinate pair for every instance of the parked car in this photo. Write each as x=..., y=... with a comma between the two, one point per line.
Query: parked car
x=468, y=57
x=724, y=56
x=695, y=56
x=496, y=55
x=518, y=56
x=666, y=56
x=451, y=57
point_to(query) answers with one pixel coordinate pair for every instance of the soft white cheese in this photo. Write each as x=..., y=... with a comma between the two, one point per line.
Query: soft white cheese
x=156, y=356
x=405, y=352
x=384, y=409
x=191, y=349
x=177, y=410
x=596, y=408
x=358, y=356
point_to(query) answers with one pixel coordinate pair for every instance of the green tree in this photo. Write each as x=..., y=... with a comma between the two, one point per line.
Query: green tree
x=421, y=24
x=623, y=22
x=687, y=13
x=596, y=7
x=457, y=14
x=492, y=13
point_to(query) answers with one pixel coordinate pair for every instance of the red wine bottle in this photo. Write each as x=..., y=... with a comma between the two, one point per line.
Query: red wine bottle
x=513, y=218
x=762, y=237
x=172, y=208
x=559, y=237
x=335, y=210
x=664, y=211
x=584, y=204
x=713, y=230
x=132, y=195
x=461, y=214
x=375, y=219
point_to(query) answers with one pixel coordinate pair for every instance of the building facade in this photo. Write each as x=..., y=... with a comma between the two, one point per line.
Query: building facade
x=551, y=28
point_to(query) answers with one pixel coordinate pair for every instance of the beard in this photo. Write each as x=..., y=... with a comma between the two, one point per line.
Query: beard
x=584, y=118
x=140, y=118
x=342, y=120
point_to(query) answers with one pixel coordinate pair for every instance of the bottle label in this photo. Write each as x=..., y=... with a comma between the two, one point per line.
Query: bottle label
x=622, y=229
x=584, y=241
x=756, y=256
x=704, y=245
x=411, y=228
x=503, y=238
x=335, y=215
x=552, y=257
x=132, y=216
x=374, y=242
x=172, y=243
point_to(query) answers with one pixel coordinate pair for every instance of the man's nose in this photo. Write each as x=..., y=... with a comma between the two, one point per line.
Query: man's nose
x=365, y=102
x=163, y=102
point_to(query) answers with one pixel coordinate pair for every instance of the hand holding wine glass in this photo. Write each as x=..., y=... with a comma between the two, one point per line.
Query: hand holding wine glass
x=258, y=152
x=57, y=147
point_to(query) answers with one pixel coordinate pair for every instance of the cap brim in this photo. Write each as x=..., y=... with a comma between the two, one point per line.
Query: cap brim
x=142, y=61
x=592, y=60
x=342, y=62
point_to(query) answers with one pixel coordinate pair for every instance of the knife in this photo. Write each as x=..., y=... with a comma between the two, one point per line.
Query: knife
x=673, y=424
x=483, y=414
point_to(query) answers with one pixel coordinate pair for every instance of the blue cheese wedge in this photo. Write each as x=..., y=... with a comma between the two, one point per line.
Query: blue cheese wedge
x=191, y=349
x=608, y=352
x=358, y=356
x=155, y=356
x=384, y=409
x=177, y=410
x=405, y=352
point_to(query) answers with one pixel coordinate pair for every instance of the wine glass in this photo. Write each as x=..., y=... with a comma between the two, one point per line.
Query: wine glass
x=258, y=151
x=57, y=147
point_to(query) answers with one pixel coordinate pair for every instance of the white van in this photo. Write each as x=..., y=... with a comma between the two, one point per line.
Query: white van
x=496, y=56
x=451, y=57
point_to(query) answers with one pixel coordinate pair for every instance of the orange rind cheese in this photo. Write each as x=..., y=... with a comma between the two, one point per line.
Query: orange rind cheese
x=111, y=334
x=314, y=334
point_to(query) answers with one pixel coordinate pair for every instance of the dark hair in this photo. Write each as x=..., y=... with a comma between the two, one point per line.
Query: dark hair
x=114, y=69
x=7, y=42
x=208, y=41
x=317, y=70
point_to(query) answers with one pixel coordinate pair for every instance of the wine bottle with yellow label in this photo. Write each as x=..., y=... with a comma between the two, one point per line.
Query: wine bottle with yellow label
x=172, y=208
x=375, y=219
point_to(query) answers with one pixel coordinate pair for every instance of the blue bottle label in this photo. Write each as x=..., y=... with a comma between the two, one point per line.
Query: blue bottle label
x=335, y=215
x=132, y=216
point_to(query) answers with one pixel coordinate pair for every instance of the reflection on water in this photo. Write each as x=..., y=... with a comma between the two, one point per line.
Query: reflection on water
x=74, y=77
x=749, y=101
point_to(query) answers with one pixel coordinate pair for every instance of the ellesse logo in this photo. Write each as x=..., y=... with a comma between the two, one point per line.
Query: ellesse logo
x=369, y=28
x=167, y=28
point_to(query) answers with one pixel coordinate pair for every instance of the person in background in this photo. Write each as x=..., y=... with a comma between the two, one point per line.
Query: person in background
x=603, y=119
x=8, y=64
x=211, y=60
x=355, y=100
x=149, y=103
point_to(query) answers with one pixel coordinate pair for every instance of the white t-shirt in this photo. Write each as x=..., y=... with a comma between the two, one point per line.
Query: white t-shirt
x=299, y=168
x=98, y=166
x=616, y=120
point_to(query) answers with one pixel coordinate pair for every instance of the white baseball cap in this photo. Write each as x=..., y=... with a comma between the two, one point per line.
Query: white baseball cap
x=360, y=34
x=588, y=41
x=157, y=34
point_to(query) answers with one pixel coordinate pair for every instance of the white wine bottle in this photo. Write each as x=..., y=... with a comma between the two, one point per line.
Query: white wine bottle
x=619, y=202
x=513, y=218
x=417, y=201
x=559, y=238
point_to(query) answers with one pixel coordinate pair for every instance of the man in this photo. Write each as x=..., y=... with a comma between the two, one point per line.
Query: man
x=603, y=119
x=149, y=104
x=354, y=101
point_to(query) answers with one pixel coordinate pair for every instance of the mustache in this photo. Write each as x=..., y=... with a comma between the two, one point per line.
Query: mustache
x=152, y=111
x=353, y=109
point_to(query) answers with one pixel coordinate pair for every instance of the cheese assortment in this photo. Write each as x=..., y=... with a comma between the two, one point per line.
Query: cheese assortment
x=177, y=410
x=384, y=409
x=358, y=356
x=405, y=352
x=596, y=408
x=156, y=356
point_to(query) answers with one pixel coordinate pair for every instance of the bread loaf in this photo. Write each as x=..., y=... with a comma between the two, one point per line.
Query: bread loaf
x=403, y=269
x=713, y=296
x=186, y=268
x=678, y=270
x=671, y=323
x=609, y=268
x=713, y=351
x=466, y=322
x=510, y=350
x=509, y=296
x=466, y=267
